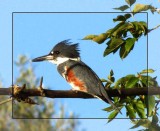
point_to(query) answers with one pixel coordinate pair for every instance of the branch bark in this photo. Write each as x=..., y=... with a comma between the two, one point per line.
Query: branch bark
x=77, y=94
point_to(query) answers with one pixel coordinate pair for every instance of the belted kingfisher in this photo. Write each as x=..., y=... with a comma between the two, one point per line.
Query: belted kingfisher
x=80, y=76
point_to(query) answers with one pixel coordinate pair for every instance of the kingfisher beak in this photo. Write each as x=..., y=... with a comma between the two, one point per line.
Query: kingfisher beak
x=43, y=58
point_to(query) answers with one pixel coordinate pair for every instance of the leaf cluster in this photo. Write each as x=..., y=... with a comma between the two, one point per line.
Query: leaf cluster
x=126, y=33
x=150, y=125
x=135, y=106
x=137, y=7
x=122, y=37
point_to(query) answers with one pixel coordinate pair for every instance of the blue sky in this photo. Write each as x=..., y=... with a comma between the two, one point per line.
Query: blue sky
x=36, y=34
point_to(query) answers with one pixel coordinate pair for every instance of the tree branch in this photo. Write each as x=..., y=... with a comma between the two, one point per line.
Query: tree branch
x=77, y=94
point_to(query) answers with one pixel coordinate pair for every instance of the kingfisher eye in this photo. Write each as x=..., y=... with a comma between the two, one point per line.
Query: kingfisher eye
x=56, y=52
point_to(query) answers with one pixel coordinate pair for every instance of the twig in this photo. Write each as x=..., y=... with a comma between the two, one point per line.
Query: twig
x=5, y=101
x=149, y=30
x=41, y=82
x=157, y=102
x=41, y=88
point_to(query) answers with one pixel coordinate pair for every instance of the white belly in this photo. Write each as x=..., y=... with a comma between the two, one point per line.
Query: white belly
x=74, y=87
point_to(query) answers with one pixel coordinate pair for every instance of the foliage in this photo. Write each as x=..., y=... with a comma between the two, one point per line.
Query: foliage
x=45, y=109
x=126, y=33
x=137, y=7
x=123, y=37
x=140, y=106
x=136, y=107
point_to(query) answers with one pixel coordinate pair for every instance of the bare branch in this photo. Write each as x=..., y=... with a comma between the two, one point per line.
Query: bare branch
x=153, y=28
x=5, y=101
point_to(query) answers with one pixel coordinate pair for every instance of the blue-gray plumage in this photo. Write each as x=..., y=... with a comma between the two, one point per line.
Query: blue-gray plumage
x=86, y=78
x=80, y=76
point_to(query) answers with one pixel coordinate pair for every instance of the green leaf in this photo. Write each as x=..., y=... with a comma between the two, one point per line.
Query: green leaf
x=123, y=52
x=104, y=80
x=147, y=71
x=120, y=18
x=123, y=80
x=132, y=82
x=130, y=111
x=122, y=8
x=97, y=38
x=143, y=23
x=109, y=32
x=100, y=38
x=155, y=119
x=143, y=122
x=124, y=34
x=138, y=28
x=130, y=2
x=108, y=85
x=89, y=37
x=141, y=7
x=153, y=127
x=149, y=81
x=150, y=103
x=129, y=44
x=120, y=29
x=127, y=16
x=112, y=115
x=109, y=109
x=139, y=108
x=127, y=47
x=113, y=45
x=111, y=73
x=136, y=25
x=145, y=28
x=112, y=79
x=119, y=82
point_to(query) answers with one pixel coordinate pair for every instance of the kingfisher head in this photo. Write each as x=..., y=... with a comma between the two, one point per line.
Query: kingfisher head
x=60, y=53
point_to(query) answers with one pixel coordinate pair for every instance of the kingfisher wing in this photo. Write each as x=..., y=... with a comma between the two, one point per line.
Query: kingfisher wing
x=88, y=77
